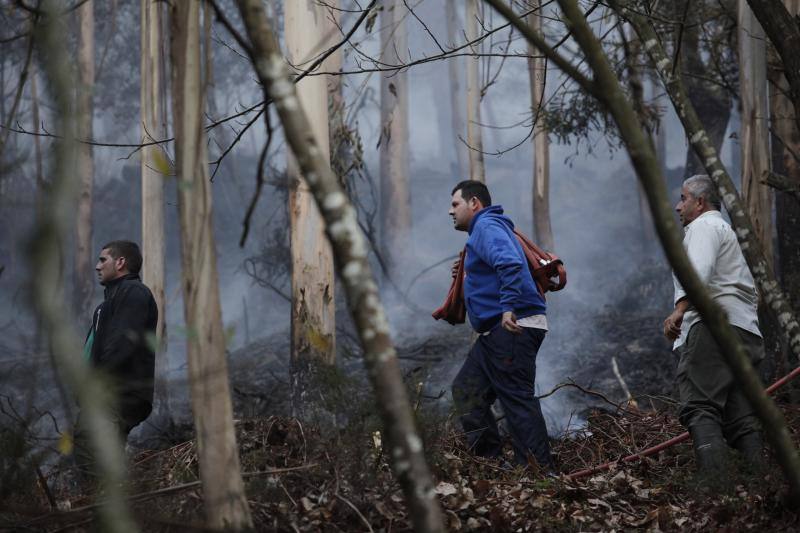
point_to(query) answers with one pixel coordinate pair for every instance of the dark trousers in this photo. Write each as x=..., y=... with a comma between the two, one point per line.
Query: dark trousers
x=502, y=366
x=708, y=392
x=126, y=414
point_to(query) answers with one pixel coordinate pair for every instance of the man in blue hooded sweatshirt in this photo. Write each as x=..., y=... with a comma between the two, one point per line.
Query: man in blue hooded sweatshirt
x=505, y=308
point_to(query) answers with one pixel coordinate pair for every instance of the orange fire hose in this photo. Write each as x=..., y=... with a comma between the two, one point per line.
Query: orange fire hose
x=675, y=440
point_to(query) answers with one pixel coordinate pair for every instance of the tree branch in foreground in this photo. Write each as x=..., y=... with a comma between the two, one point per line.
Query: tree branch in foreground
x=350, y=252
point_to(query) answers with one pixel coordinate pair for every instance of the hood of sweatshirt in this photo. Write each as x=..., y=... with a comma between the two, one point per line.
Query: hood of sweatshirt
x=493, y=211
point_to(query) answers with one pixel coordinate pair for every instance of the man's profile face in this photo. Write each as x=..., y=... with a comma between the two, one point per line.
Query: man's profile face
x=462, y=210
x=689, y=207
x=108, y=269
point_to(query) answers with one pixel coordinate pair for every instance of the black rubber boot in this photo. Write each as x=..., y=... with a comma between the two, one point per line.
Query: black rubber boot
x=750, y=447
x=710, y=450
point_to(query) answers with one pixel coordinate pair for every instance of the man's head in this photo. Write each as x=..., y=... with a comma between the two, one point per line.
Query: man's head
x=469, y=197
x=117, y=259
x=698, y=195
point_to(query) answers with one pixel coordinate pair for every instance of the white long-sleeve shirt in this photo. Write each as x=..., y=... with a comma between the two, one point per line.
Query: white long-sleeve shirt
x=714, y=252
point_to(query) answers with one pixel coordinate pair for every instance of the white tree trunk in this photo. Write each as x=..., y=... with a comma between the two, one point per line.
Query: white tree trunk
x=37, y=147
x=474, y=135
x=395, y=204
x=83, y=274
x=313, y=323
x=223, y=489
x=455, y=66
x=153, y=164
x=537, y=71
x=754, y=137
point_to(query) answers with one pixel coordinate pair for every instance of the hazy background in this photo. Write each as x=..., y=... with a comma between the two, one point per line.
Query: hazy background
x=594, y=205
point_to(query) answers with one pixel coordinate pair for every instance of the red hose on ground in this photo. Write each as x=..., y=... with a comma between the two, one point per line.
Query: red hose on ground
x=675, y=440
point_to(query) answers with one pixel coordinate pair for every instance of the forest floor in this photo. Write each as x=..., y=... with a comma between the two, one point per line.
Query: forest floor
x=299, y=479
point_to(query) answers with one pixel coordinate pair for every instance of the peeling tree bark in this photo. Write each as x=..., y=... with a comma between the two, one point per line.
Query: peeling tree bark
x=395, y=196
x=153, y=164
x=474, y=135
x=83, y=278
x=606, y=88
x=223, y=489
x=59, y=204
x=754, y=136
x=537, y=72
x=350, y=251
x=313, y=306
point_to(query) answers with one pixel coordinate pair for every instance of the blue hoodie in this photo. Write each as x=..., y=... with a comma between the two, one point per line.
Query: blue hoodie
x=497, y=275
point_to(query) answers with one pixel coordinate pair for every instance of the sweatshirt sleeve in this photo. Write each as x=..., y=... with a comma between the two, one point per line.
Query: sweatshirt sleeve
x=495, y=246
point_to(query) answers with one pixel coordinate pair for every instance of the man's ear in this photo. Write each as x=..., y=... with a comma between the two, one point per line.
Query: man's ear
x=475, y=204
x=121, y=263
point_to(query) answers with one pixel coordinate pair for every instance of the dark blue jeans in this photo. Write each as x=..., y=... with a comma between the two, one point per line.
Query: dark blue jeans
x=502, y=366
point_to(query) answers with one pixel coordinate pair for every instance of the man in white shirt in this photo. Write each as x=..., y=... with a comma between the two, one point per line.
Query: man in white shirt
x=713, y=407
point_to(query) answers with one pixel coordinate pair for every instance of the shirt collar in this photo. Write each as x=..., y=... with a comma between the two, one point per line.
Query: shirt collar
x=708, y=214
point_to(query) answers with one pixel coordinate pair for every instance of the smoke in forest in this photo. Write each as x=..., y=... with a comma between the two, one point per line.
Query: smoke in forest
x=594, y=205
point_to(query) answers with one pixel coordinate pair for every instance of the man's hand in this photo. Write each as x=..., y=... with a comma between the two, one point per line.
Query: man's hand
x=672, y=325
x=456, y=264
x=509, y=322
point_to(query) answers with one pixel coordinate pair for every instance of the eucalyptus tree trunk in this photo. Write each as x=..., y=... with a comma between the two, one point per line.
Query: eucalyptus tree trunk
x=712, y=102
x=779, y=21
x=83, y=274
x=754, y=135
x=59, y=202
x=637, y=90
x=350, y=251
x=395, y=200
x=37, y=145
x=537, y=72
x=337, y=128
x=785, y=162
x=455, y=69
x=313, y=309
x=474, y=135
x=223, y=489
x=153, y=169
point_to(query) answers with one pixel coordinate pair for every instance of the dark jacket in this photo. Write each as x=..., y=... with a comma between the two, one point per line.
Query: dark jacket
x=497, y=275
x=124, y=328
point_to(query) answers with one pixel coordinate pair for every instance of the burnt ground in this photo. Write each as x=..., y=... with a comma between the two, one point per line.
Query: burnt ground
x=329, y=473
x=301, y=479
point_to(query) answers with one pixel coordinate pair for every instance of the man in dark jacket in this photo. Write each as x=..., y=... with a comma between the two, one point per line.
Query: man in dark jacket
x=506, y=310
x=121, y=339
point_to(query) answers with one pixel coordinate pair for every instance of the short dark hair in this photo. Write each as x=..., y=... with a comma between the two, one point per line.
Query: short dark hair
x=474, y=189
x=129, y=250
